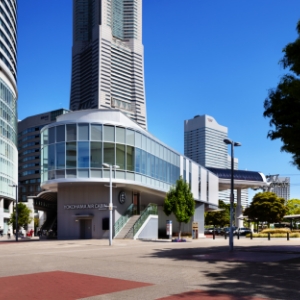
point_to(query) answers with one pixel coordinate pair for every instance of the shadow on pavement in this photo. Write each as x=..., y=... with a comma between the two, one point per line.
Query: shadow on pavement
x=264, y=271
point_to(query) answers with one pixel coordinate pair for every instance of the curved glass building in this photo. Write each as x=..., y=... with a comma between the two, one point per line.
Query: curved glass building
x=75, y=152
x=8, y=109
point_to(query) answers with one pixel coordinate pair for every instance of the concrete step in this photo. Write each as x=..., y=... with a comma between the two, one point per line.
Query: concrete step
x=128, y=226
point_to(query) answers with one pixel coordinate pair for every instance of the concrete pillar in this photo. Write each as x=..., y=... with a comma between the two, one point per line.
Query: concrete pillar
x=239, y=210
x=199, y=217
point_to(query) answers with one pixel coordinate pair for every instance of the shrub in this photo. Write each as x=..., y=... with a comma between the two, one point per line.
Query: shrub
x=276, y=230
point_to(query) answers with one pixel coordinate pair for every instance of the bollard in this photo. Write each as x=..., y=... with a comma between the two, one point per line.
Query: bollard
x=214, y=234
x=238, y=235
x=251, y=235
x=269, y=236
x=288, y=236
x=225, y=235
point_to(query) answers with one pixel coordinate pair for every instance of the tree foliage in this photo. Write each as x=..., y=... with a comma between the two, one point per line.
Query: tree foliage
x=23, y=216
x=283, y=103
x=293, y=207
x=179, y=201
x=266, y=207
x=220, y=217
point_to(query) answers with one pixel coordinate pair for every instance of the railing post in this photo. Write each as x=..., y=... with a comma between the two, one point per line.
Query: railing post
x=251, y=235
x=225, y=235
x=269, y=236
x=288, y=236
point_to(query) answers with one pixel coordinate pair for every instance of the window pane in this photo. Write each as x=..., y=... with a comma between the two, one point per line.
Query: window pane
x=96, y=173
x=51, y=157
x=83, y=132
x=120, y=135
x=71, y=173
x=83, y=154
x=45, y=159
x=96, y=132
x=71, y=132
x=60, y=156
x=60, y=133
x=109, y=133
x=45, y=137
x=60, y=173
x=138, y=160
x=109, y=153
x=144, y=142
x=96, y=155
x=83, y=173
x=51, y=135
x=120, y=151
x=130, y=137
x=130, y=158
x=144, y=161
x=71, y=155
x=138, y=140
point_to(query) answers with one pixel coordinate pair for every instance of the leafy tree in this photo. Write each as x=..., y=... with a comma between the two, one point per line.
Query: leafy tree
x=180, y=202
x=283, y=103
x=293, y=207
x=219, y=217
x=266, y=207
x=23, y=216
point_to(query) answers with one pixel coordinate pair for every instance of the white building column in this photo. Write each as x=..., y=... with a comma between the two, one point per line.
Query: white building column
x=239, y=210
x=29, y=204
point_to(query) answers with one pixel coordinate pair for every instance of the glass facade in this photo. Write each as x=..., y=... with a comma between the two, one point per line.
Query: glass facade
x=79, y=151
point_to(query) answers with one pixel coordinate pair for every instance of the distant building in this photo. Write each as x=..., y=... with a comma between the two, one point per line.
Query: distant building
x=8, y=110
x=279, y=185
x=29, y=151
x=108, y=57
x=204, y=143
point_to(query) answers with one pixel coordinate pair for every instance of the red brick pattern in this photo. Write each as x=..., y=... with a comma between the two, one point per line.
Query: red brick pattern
x=61, y=285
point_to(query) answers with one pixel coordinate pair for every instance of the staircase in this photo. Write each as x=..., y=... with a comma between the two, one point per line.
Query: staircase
x=128, y=227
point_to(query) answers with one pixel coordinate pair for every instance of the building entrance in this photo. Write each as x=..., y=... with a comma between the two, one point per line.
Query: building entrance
x=86, y=229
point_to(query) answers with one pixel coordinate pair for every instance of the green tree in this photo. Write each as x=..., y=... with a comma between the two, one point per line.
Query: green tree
x=23, y=216
x=220, y=217
x=266, y=207
x=283, y=103
x=293, y=207
x=180, y=202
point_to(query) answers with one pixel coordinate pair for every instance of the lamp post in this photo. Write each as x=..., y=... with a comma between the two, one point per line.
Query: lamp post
x=110, y=206
x=233, y=144
x=17, y=227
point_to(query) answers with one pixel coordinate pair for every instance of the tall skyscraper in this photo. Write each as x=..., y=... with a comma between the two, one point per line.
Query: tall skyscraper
x=108, y=57
x=8, y=109
x=204, y=143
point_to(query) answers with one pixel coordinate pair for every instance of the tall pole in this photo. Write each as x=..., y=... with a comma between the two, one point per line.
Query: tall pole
x=231, y=198
x=110, y=207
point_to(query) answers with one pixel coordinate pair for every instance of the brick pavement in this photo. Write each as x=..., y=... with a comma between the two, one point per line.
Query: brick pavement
x=202, y=269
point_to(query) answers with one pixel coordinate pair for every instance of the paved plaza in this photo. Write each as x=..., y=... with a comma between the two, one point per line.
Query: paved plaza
x=197, y=269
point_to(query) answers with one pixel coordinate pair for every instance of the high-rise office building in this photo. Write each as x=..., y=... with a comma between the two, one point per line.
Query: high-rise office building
x=8, y=109
x=204, y=143
x=107, y=57
x=29, y=151
x=279, y=185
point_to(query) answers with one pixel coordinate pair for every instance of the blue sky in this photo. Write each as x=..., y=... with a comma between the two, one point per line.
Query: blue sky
x=211, y=57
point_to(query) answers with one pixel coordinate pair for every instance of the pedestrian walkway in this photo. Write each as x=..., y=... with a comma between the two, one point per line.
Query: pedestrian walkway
x=198, y=269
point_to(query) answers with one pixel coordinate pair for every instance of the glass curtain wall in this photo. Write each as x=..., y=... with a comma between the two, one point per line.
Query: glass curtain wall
x=79, y=151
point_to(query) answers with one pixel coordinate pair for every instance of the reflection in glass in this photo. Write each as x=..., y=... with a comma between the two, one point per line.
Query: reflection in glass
x=109, y=133
x=120, y=135
x=83, y=132
x=109, y=153
x=71, y=132
x=83, y=155
x=96, y=154
x=45, y=137
x=96, y=132
x=51, y=135
x=60, y=156
x=129, y=137
x=120, y=152
x=130, y=158
x=60, y=133
x=51, y=157
x=71, y=154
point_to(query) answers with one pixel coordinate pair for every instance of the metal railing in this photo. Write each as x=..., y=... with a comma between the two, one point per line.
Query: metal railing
x=123, y=219
x=151, y=209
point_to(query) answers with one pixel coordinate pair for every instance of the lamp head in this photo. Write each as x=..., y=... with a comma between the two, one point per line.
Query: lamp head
x=227, y=141
x=236, y=144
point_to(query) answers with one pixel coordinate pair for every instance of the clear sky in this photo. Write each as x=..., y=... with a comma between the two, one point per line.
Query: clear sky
x=211, y=57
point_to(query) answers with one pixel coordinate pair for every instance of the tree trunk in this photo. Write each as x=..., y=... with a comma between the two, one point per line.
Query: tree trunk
x=179, y=232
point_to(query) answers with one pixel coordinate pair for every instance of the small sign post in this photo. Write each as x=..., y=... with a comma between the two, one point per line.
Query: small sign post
x=169, y=228
x=195, y=229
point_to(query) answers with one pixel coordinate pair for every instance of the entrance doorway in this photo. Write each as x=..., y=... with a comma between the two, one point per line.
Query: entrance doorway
x=86, y=229
x=136, y=204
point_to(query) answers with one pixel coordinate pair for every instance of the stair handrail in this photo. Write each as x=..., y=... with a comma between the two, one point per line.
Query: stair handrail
x=151, y=209
x=123, y=219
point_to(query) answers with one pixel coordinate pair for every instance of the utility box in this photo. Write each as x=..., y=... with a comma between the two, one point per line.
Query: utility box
x=195, y=230
x=105, y=224
x=169, y=228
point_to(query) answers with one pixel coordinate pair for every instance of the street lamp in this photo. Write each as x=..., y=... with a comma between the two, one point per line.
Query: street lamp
x=233, y=144
x=110, y=207
x=17, y=227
